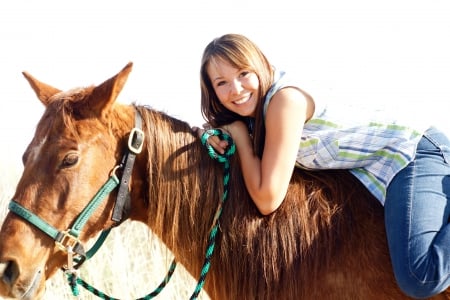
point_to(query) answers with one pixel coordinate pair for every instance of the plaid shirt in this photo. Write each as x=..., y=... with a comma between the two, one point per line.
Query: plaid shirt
x=374, y=146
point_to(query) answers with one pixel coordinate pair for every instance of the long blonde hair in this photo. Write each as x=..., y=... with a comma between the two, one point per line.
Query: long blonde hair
x=240, y=53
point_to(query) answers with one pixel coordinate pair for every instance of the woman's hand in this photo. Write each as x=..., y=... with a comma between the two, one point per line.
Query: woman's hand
x=219, y=145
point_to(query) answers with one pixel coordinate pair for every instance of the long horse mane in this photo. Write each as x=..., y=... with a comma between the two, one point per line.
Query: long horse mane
x=188, y=185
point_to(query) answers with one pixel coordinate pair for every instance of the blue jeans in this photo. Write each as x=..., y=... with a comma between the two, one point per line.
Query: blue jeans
x=417, y=211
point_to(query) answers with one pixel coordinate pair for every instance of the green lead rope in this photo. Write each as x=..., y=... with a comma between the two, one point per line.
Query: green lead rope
x=74, y=280
x=222, y=158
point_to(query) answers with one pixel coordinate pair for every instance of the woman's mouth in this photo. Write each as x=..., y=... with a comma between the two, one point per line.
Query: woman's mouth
x=242, y=100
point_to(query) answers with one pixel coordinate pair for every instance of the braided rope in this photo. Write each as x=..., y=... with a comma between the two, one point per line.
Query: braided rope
x=74, y=280
x=222, y=158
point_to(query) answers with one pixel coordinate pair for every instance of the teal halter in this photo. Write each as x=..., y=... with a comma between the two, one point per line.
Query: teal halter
x=68, y=240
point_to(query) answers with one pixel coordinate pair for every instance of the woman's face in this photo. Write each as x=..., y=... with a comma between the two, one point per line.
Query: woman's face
x=236, y=89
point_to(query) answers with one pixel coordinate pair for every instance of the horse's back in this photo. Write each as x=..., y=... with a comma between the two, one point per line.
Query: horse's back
x=361, y=267
x=327, y=241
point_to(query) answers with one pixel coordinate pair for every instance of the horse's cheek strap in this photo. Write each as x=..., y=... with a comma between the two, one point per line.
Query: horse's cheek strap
x=122, y=205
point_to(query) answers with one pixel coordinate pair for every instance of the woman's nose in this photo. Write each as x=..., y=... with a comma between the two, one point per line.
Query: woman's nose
x=236, y=87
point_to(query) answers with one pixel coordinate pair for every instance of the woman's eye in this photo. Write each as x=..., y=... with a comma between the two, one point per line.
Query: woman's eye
x=69, y=160
x=244, y=73
x=221, y=83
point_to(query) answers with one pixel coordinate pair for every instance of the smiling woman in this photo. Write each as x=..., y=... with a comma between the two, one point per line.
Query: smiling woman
x=389, y=53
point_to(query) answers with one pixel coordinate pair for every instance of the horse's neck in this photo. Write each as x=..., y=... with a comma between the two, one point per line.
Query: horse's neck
x=169, y=193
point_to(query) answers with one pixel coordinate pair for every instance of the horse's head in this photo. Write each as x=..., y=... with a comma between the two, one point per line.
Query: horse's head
x=72, y=155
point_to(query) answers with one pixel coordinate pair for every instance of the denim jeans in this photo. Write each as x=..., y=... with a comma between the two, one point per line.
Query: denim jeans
x=417, y=211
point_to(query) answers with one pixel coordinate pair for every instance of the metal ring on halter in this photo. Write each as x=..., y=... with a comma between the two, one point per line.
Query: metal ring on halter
x=114, y=171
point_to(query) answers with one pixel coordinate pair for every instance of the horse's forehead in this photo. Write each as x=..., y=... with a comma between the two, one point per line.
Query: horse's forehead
x=61, y=126
x=55, y=128
x=73, y=95
x=53, y=123
x=35, y=149
x=47, y=132
x=56, y=135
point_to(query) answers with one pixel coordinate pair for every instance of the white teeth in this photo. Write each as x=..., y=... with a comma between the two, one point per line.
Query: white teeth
x=243, y=100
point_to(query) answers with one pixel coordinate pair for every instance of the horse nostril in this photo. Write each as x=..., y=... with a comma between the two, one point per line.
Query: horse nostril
x=10, y=272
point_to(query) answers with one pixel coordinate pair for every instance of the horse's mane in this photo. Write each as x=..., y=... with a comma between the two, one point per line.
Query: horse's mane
x=188, y=186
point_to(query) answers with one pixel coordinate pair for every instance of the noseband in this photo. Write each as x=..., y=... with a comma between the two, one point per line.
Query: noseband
x=68, y=240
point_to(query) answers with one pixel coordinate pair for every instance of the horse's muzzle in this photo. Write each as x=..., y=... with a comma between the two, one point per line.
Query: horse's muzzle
x=13, y=286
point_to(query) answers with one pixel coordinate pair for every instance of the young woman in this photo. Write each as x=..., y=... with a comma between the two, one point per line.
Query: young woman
x=277, y=126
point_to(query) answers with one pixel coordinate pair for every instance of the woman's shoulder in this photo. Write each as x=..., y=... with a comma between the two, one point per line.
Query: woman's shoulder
x=286, y=78
x=337, y=105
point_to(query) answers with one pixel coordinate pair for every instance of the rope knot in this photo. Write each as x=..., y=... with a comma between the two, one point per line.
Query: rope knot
x=72, y=278
x=223, y=158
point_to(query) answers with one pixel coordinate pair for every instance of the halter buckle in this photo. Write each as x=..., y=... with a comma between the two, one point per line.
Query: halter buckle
x=136, y=140
x=66, y=241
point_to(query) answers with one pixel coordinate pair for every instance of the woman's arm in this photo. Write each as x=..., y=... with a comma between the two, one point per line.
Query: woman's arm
x=267, y=179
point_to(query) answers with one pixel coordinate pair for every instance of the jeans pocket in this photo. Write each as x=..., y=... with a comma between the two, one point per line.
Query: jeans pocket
x=439, y=141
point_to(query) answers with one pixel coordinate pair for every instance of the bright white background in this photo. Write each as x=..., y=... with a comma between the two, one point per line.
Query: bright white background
x=390, y=52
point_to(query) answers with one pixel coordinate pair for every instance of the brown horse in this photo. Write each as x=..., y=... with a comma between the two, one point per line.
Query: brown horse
x=326, y=241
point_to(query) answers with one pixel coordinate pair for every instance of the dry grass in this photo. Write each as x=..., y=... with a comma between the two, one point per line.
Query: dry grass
x=130, y=264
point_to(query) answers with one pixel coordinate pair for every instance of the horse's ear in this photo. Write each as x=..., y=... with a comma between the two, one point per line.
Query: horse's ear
x=43, y=91
x=105, y=94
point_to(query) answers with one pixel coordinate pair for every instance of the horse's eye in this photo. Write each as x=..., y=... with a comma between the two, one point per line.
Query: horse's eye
x=69, y=160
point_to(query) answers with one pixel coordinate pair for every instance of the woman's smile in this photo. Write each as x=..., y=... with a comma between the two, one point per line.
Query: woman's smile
x=236, y=89
x=243, y=99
